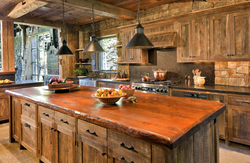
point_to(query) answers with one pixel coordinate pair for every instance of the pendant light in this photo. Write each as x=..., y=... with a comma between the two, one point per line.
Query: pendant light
x=93, y=46
x=139, y=41
x=64, y=50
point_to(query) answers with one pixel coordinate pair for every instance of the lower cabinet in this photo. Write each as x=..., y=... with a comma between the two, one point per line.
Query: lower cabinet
x=16, y=118
x=239, y=119
x=4, y=108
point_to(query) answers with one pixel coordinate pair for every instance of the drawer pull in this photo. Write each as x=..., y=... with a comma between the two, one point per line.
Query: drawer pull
x=46, y=114
x=53, y=129
x=124, y=146
x=26, y=125
x=246, y=102
x=27, y=104
x=64, y=121
x=103, y=153
x=92, y=133
x=123, y=160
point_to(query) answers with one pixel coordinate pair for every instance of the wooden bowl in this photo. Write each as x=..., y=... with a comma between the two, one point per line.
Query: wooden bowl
x=109, y=100
x=129, y=92
x=62, y=85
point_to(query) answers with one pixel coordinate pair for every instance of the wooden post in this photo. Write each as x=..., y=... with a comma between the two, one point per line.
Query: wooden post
x=8, y=55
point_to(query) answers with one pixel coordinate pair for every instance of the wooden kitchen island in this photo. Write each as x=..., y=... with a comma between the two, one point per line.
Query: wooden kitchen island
x=74, y=127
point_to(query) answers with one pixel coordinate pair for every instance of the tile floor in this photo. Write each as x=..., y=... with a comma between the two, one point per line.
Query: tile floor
x=10, y=153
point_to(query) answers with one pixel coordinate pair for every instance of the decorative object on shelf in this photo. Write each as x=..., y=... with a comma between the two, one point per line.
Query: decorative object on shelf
x=64, y=50
x=160, y=75
x=139, y=41
x=83, y=60
x=93, y=46
x=124, y=75
x=81, y=71
x=118, y=75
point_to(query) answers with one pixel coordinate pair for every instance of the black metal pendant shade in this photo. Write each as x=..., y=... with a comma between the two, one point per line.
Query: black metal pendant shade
x=64, y=50
x=93, y=46
x=139, y=41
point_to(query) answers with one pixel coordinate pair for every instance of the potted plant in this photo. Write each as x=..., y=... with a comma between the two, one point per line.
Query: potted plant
x=81, y=71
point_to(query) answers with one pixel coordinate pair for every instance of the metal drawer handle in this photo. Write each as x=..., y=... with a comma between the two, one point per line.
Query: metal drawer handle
x=46, y=114
x=103, y=153
x=92, y=133
x=27, y=104
x=64, y=121
x=128, y=148
x=26, y=125
x=53, y=129
x=123, y=160
x=246, y=102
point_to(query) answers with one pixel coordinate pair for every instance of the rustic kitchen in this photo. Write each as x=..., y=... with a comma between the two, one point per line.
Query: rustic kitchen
x=125, y=81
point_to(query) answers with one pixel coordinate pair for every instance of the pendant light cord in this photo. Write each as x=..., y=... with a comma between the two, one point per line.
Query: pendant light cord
x=63, y=27
x=93, y=19
x=138, y=6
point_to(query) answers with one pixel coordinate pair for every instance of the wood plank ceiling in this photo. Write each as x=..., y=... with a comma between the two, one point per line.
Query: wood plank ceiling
x=77, y=12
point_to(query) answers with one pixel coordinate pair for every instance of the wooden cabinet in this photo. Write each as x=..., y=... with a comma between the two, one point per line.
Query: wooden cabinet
x=56, y=136
x=92, y=143
x=239, y=24
x=4, y=108
x=28, y=129
x=239, y=119
x=126, y=149
x=16, y=118
x=193, y=40
x=132, y=55
x=219, y=37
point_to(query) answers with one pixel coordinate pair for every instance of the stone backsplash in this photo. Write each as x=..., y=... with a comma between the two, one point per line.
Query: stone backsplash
x=232, y=73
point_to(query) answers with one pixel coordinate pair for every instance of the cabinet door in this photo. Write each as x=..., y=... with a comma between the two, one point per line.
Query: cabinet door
x=65, y=146
x=16, y=118
x=238, y=121
x=92, y=152
x=199, y=39
x=4, y=108
x=219, y=38
x=46, y=134
x=184, y=41
x=126, y=53
x=240, y=35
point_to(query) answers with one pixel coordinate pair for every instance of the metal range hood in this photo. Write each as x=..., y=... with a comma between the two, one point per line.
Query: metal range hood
x=163, y=40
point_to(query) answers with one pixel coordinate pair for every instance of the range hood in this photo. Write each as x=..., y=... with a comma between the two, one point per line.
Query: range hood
x=163, y=40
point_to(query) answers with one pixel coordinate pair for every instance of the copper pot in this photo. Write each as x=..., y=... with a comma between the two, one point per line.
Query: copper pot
x=145, y=78
x=160, y=75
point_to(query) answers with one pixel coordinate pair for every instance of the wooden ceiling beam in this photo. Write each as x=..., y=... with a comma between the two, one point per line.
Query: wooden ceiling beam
x=100, y=8
x=23, y=8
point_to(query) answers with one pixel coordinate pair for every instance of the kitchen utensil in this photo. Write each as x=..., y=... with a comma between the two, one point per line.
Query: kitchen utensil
x=201, y=80
x=109, y=100
x=160, y=75
x=193, y=72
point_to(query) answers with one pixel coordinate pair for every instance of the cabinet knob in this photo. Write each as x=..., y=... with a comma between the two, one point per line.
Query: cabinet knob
x=27, y=104
x=103, y=153
x=46, y=114
x=228, y=55
x=123, y=160
x=26, y=125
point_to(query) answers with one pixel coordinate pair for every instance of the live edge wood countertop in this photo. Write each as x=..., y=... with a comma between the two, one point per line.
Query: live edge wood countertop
x=160, y=119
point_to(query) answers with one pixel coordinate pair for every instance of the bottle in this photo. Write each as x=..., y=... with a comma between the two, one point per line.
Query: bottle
x=189, y=82
x=186, y=80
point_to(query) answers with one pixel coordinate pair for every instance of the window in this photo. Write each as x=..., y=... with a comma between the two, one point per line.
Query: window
x=107, y=58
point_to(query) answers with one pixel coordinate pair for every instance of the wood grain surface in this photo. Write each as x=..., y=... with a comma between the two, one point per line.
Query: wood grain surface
x=160, y=119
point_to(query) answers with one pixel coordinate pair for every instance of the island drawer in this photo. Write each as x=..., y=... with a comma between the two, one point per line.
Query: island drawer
x=46, y=113
x=93, y=132
x=120, y=157
x=29, y=136
x=239, y=100
x=29, y=112
x=65, y=121
x=129, y=146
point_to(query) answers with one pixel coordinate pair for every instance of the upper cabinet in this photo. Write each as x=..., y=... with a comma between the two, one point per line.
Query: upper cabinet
x=193, y=40
x=132, y=55
x=220, y=37
x=240, y=35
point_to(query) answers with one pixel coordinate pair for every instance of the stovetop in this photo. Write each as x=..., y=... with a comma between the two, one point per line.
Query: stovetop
x=156, y=87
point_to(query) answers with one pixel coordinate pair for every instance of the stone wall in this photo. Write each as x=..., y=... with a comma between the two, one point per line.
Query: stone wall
x=232, y=73
x=173, y=9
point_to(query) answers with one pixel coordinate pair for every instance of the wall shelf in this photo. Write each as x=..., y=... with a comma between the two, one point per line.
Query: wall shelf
x=89, y=63
x=117, y=46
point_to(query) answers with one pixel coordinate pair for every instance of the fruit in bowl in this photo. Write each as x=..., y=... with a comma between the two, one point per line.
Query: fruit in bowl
x=59, y=83
x=108, y=95
x=127, y=89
